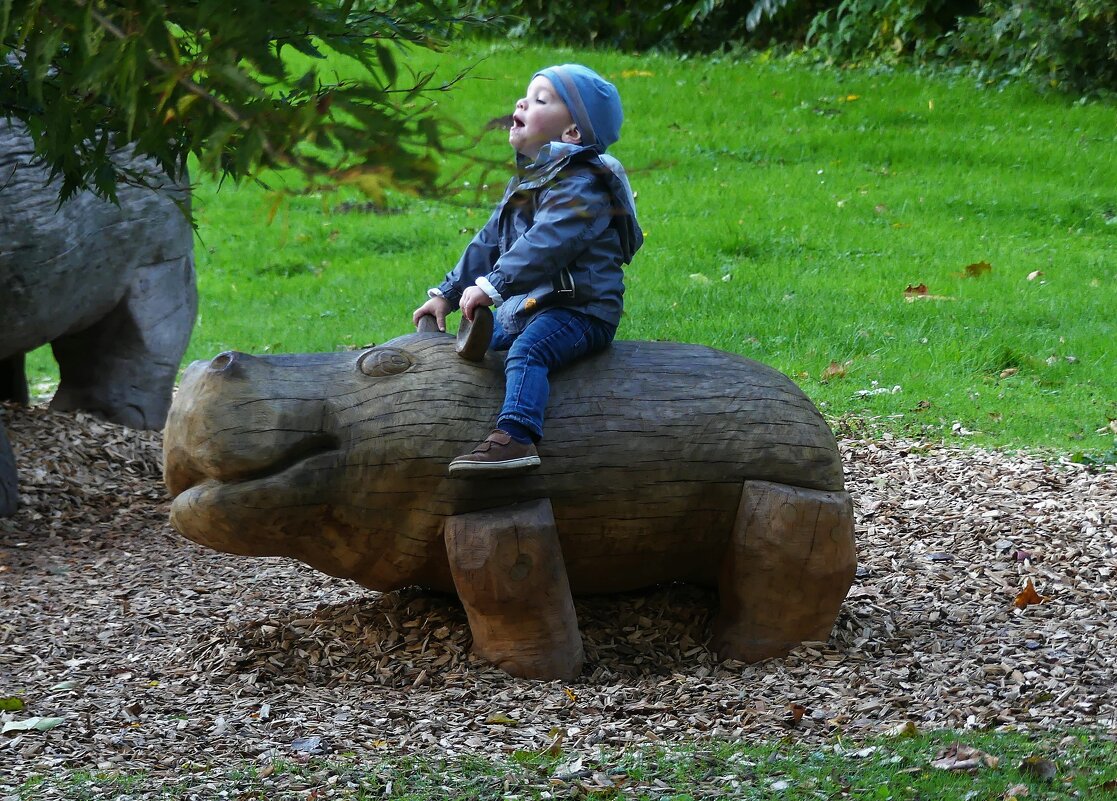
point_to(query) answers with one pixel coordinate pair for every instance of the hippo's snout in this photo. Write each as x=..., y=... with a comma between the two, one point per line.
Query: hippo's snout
x=238, y=418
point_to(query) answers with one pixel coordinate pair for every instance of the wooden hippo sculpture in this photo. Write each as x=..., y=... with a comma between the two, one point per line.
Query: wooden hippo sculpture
x=110, y=287
x=662, y=462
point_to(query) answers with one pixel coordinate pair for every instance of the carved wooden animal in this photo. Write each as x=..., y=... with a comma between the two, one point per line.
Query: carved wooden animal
x=8, y=495
x=662, y=462
x=109, y=287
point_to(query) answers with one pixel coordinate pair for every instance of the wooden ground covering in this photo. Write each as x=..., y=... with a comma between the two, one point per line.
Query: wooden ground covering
x=160, y=655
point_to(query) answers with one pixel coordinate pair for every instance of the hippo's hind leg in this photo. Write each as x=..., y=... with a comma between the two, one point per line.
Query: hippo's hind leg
x=789, y=565
x=13, y=380
x=509, y=573
x=13, y=387
x=124, y=366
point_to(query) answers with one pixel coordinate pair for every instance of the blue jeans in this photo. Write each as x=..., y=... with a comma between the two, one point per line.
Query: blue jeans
x=553, y=338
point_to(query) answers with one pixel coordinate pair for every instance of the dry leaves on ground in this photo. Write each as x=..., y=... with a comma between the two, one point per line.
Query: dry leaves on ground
x=159, y=654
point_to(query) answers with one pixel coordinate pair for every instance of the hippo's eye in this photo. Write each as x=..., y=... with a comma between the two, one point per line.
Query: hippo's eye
x=384, y=361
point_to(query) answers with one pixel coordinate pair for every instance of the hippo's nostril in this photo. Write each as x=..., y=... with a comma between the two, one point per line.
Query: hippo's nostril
x=223, y=361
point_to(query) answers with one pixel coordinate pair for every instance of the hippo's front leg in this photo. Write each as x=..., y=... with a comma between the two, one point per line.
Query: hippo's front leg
x=509, y=573
x=789, y=565
x=124, y=365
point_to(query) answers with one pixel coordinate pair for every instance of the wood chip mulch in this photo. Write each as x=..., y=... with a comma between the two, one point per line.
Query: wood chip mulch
x=160, y=655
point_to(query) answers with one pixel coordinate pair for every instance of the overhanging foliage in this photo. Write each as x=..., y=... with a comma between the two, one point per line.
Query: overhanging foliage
x=241, y=86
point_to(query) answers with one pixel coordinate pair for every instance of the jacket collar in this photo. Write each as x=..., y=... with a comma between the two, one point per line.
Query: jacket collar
x=552, y=157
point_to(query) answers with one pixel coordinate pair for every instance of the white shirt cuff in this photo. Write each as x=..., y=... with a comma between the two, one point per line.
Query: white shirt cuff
x=486, y=285
x=435, y=292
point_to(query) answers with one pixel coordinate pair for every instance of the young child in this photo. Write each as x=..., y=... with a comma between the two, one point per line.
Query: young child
x=550, y=259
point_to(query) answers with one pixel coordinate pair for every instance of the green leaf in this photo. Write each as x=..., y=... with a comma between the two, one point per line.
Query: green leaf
x=206, y=81
x=388, y=63
x=305, y=47
x=32, y=724
x=11, y=703
x=5, y=16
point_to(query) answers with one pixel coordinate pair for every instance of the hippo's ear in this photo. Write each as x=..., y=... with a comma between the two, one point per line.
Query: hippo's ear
x=385, y=361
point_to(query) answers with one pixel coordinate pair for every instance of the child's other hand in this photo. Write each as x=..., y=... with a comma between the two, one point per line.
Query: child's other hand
x=437, y=307
x=472, y=298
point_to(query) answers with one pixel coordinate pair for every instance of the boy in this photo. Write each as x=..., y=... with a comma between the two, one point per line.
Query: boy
x=550, y=259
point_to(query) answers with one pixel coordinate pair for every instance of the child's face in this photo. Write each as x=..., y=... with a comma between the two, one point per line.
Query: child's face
x=541, y=117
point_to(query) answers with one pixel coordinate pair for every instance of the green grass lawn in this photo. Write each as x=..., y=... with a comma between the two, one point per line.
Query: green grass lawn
x=787, y=209
x=926, y=766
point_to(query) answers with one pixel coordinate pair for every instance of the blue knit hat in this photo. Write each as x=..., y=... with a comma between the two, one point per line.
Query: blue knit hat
x=594, y=103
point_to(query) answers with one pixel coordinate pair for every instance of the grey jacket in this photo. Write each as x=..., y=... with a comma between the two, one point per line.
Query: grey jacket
x=560, y=237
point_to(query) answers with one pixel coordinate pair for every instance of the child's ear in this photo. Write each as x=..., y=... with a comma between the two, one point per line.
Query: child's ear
x=572, y=135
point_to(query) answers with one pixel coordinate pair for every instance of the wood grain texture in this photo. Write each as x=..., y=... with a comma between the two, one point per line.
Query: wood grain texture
x=790, y=562
x=647, y=446
x=662, y=462
x=509, y=573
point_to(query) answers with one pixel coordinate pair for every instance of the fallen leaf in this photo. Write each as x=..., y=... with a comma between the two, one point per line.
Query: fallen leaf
x=905, y=729
x=699, y=278
x=32, y=724
x=961, y=757
x=554, y=747
x=913, y=298
x=570, y=769
x=1034, y=274
x=1039, y=767
x=914, y=293
x=1016, y=792
x=977, y=269
x=500, y=719
x=1028, y=596
x=11, y=703
x=570, y=694
x=796, y=712
x=1009, y=371
x=834, y=370
x=307, y=745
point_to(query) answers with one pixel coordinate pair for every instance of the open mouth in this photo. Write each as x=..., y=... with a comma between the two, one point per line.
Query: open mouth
x=182, y=475
x=241, y=515
x=516, y=122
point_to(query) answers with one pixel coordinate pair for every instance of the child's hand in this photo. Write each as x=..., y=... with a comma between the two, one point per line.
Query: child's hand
x=437, y=307
x=472, y=298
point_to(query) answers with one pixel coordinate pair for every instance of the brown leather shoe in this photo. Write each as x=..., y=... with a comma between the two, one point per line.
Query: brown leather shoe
x=497, y=455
